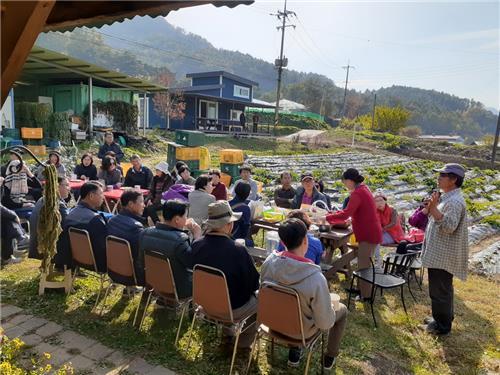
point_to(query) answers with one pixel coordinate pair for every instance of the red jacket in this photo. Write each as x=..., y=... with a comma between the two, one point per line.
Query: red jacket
x=365, y=221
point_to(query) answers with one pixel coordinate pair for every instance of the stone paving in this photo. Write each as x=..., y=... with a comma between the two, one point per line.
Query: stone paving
x=85, y=355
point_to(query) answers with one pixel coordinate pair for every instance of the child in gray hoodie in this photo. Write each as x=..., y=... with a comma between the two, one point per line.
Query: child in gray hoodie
x=290, y=268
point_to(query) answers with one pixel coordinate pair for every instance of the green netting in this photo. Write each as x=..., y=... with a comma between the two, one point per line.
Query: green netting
x=313, y=115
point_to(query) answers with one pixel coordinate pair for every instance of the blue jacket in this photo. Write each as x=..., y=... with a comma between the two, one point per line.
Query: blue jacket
x=128, y=226
x=113, y=147
x=314, y=249
x=242, y=226
x=84, y=217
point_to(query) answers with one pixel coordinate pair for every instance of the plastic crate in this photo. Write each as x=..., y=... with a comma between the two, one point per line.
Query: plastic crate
x=37, y=149
x=11, y=133
x=16, y=142
x=205, y=160
x=171, y=151
x=198, y=172
x=231, y=156
x=193, y=165
x=190, y=138
x=225, y=179
x=231, y=169
x=32, y=133
x=188, y=153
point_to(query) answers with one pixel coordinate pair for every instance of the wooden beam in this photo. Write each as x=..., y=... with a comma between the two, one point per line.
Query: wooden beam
x=22, y=21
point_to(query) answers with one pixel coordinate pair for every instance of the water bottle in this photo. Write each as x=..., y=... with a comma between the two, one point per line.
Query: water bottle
x=272, y=241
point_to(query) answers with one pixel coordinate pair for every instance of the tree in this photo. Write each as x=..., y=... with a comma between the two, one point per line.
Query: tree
x=169, y=105
x=390, y=120
x=411, y=131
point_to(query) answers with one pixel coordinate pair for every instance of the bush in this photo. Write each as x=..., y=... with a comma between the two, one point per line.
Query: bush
x=411, y=132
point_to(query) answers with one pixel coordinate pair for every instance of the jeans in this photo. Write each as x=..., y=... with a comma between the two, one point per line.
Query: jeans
x=441, y=293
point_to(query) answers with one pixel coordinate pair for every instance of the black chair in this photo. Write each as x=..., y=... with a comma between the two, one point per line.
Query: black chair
x=415, y=265
x=393, y=275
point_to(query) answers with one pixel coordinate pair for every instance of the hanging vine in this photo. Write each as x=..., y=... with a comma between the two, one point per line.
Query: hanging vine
x=49, y=220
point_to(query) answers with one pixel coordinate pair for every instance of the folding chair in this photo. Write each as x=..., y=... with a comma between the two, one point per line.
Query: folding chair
x=391, y=276
x=289, y=332
x=120, y=266
x=211, y=298
x=160, y=282
x=83, y=257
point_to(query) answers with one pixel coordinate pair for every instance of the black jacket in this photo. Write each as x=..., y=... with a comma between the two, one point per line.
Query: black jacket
x=142, y=177
x=113, y=147
x=90, y=171
x=174, y=244
x=222, y=252
x=317, y=196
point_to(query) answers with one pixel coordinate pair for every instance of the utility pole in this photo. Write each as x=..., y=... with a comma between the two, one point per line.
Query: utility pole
x=373, y=111
x=281, y=62
x=495, y=143
x=347, y=67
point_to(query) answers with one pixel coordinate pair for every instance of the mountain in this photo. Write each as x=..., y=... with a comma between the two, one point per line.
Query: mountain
x=143, y=46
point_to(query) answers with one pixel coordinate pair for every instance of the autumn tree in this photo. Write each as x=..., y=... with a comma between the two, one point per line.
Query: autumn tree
x=169, y=104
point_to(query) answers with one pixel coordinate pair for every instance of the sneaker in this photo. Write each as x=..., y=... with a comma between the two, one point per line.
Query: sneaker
x=294, y=356
x=433, y=329
x=24, y=242
x=362, y=299
x=328, y=362
x=428, y=319
x=11, y=260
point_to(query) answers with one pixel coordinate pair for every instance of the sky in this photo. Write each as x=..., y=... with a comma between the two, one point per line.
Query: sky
x=447, y=46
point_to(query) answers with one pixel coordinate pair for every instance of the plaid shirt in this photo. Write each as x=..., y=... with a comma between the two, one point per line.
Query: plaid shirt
x=446, y=244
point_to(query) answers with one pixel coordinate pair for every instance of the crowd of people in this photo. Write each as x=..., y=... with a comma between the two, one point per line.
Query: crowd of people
x=199, y=225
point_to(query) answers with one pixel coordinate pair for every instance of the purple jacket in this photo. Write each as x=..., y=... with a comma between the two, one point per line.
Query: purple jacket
x=178, y=191
x=418, y=219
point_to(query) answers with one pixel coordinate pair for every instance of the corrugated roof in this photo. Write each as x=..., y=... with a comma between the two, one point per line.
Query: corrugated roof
x=67, y=15
x=223, y=73
x=43, y=64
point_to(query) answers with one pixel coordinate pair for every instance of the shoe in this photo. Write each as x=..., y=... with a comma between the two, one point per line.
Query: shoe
x=428, y=319
x=24, y=242
x=353, y=291
x=294, y=356
x=362, y=299
x=11, y=260
x=433, y=329
x=328, y=362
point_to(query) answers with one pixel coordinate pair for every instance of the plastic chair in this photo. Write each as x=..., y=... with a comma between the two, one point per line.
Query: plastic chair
x=83, y=257
x=120, y=267
x=211, y=298
x=160, y=282
x=289, y=332
x=392, y=276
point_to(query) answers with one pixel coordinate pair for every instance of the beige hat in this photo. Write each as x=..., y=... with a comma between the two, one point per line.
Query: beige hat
x=162, y=166
x=219, y=214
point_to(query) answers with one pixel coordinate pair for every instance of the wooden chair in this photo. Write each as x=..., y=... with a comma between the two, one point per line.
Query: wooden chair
x=83, y=257
x=289, y=332
x=393, y=275
x=160, y=283
x=211, y=298
x=120, y=266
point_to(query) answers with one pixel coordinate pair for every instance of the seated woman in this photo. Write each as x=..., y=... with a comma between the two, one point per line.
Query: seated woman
x=86, y=170
x=314, y=247
x=320, y=185
x=110, y=173
x=185, y=176
x=161, y=182
x=420, y=217
x=200, y=198
x=15, y=187
x=55, y=159
x=240, y=203
x=392, y=232
x=13, y=235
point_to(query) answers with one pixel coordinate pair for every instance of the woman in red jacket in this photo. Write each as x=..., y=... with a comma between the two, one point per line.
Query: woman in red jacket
x=365, y=221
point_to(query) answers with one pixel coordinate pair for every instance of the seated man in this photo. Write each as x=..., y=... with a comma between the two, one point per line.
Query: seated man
x=171, y=239
x=307, y=194
x=314, y=247
x=64, y=190
x=217, y=249
x=246, y=176
x=138, y=174
x=283, y=196
x=13, y=236
x=240, y=203
x=128, y=225
x=110, y=145
x=291, y=269
x=85, y=216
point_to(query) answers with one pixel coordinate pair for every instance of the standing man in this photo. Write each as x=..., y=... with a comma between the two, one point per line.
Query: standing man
x=110, y=145
x=138, y=174
x=243, y=120
x=445, y=248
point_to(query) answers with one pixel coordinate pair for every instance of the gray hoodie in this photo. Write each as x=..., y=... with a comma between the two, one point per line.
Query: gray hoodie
x=310, y=284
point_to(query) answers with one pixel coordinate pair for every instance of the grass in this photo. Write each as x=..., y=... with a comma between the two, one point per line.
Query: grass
x=397, y=346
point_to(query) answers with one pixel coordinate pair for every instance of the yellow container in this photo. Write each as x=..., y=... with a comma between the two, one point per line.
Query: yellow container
x=188, y=153
x=205, y=161
x=31, y=133
x=37, y=150
x=125, y=168
x=225, y=179
x=231, y=156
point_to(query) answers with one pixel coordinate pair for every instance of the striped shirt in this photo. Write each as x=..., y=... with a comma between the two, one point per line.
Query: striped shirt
x=446, y=244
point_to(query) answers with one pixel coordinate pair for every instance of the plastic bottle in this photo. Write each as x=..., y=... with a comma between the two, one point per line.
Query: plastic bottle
x=272, y=241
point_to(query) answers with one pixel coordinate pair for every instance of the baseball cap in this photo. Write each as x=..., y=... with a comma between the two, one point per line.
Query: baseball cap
x=454, y=168
x=306, y=175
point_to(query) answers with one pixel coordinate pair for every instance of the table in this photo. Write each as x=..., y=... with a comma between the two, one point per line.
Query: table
x=115, y=195
x=76, y=184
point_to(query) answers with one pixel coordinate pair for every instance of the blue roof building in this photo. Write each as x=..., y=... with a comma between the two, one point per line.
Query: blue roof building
x=214, y=100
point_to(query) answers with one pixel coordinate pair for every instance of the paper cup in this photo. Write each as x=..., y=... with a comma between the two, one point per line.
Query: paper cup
x=137, y=187
x=109, y=187
x=335, y=301
x=240, y=241
x=74, y=176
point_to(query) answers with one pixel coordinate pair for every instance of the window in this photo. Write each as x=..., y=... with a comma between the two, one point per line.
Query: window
x=241, y=92
x=208, y=109
x=235, y=115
